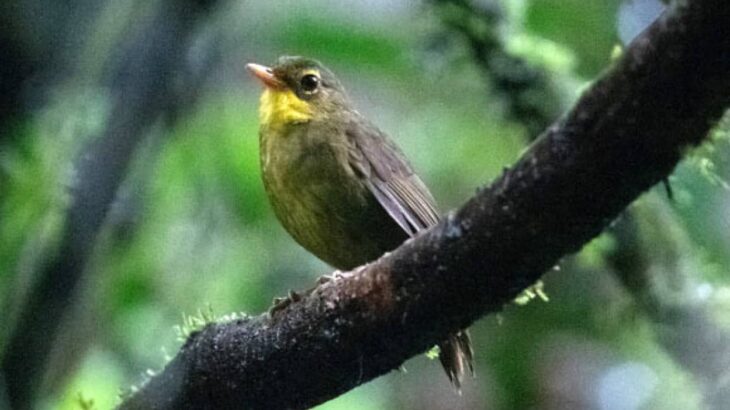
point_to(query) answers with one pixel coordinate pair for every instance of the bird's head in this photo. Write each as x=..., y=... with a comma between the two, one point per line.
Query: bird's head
x=298, y=90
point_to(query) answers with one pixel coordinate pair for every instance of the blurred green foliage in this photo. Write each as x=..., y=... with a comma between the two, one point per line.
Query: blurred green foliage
x=587, y=27
x=195, y=229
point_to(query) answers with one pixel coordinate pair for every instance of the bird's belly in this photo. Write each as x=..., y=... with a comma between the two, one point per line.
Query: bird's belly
x=331, y=214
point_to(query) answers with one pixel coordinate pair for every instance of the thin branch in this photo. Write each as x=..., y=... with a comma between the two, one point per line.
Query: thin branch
x=530, y=97
x=142, y=89
x=625, y=134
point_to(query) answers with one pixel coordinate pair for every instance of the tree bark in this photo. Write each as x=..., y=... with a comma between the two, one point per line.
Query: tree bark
x=626, y=133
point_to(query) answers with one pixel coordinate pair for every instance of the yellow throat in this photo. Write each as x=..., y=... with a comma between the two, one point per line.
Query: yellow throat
x=281, y=107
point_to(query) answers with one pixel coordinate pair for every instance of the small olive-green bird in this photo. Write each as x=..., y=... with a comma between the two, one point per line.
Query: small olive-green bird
x=338, y=184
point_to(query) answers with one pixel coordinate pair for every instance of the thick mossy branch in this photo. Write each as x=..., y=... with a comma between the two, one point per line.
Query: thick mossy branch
x=625, y=134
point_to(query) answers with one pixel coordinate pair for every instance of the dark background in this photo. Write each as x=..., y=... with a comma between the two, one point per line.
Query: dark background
x=131, y=203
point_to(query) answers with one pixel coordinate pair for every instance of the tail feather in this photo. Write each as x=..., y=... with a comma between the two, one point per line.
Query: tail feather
x=456, y=356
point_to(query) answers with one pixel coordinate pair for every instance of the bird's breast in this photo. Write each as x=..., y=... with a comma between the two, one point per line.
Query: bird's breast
x=318, y=198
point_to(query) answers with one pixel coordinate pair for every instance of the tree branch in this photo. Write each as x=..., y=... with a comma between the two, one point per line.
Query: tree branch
x=142, y=90
x=529, y=97
x=651, y=255
x=625, y=134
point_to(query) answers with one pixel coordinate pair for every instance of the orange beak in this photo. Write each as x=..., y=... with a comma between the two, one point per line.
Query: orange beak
x=266, y=75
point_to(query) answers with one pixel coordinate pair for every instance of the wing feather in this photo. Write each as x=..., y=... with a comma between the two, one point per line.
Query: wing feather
x=392, y=206
x=387, y=174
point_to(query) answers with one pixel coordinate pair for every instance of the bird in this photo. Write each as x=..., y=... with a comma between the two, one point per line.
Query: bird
x=339, y=185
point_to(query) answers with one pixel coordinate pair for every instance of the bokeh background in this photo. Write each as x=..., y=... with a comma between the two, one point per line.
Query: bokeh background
x=131, y=202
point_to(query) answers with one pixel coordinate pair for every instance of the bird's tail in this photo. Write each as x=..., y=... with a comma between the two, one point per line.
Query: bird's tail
x=456, y=356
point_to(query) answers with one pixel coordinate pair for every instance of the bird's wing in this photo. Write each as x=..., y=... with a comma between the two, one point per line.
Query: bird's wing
x=387, y=174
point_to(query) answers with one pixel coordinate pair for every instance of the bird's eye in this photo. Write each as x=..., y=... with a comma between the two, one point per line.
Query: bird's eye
x=309, y=83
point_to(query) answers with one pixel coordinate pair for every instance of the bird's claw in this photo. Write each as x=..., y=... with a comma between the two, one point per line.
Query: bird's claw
x=281, y=303
x=330, y=278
